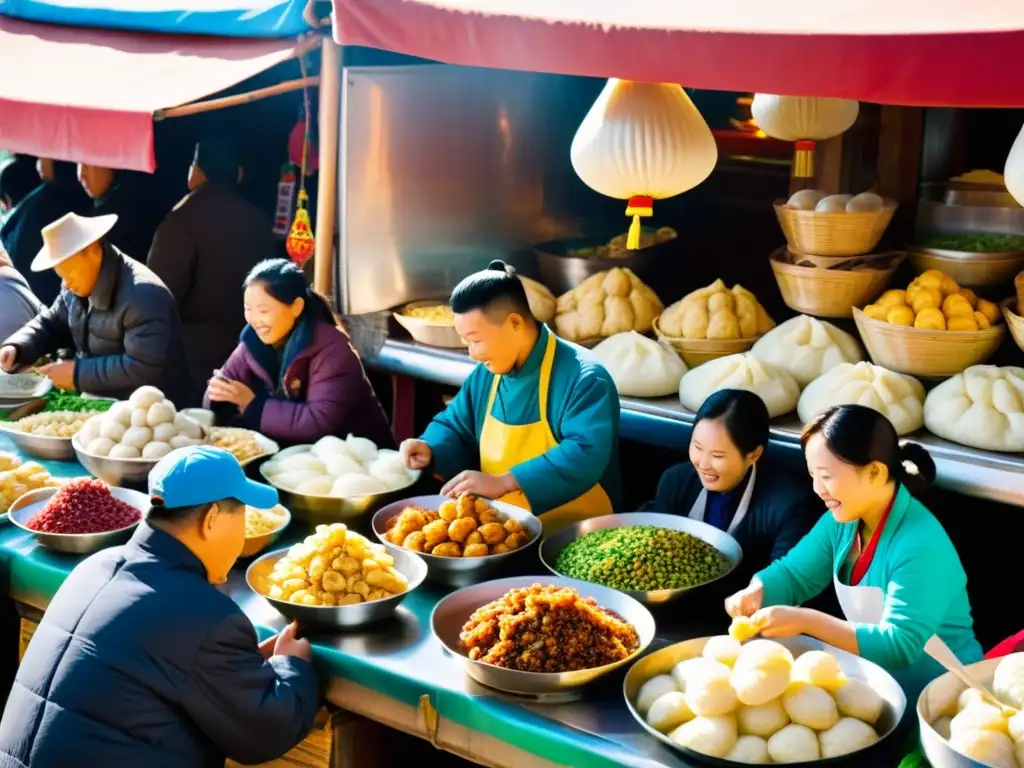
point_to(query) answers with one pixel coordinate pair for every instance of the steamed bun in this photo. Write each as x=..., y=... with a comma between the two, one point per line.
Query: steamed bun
x=119, y=412
x=752, y=750
x=709, y=692
x=855, y=698
x=122, y=451
x=357, y=485
x=983, y=407
x=1008, y=683
x=156, y=450
x=387, y=463
x=833, y=204
x=777, y=388
x=652, y=690
x=301, y=461
x=639, y=366
x=806, y=348
x=89, y=431
x=316, y=486
x=761, y=672
x=668, y=712
x=865, y=202
x=687, y=669
x=811, y=706
x=978, y=716
x=992, y=748
x=762, y=720
x=805, y=199
x=100, y=446
x=715, y=736
x=846, y=736
x=898, y=397
x=329, y=445
x=338, y=464
x=144, y=397
x=723, y=649
x=364, y=451
x=794, y=744
x=818, y=668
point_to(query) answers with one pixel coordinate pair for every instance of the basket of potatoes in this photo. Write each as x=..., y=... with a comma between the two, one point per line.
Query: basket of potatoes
x=463, y=540
x=932, y=328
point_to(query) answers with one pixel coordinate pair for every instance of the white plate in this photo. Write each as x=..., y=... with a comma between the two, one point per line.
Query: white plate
x=23, y=386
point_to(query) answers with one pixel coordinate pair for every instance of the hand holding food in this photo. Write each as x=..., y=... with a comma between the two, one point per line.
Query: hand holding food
x=604, y=304
x=716, y=312
x=934, y=302
x=746, y=602
x=463, y=527
x=223, y=390
x=480, y=484
x=287, y=644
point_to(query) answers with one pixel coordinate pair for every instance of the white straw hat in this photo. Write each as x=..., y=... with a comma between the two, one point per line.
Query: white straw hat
x=68, y=235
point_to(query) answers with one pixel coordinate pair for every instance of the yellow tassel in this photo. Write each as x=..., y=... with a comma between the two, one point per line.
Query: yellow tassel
x=633, y=238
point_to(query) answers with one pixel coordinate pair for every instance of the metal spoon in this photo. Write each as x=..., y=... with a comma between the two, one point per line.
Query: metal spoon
x=939, y=651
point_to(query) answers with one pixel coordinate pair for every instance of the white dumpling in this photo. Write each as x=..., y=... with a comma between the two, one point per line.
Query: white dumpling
x=983, y=407
x=992, y=748
x=723, y=649
x=979, y=716
x=394, y=482
x=709, y=692
x=639, y=366
x=188, y=427
x=184, y=441
x=338, y=464
x=752, y=750
x=387, y=463
x=811, y=705
x=364, y=451
x=669, y=711
x=124, y=452
x=139, y=417
x=777, y=388
x=857, y=699
x=715, y=736
x=100, y=446
x=90, y=430
x=356, y=485
x=898, y=397
x=156, y=450
x=807, y=347
x=652, y=690
x=763, y=719
x=301, y=460
x=845, y=737
x=121, y=413
x=1008, y=682
x=164, y=433
x=818, y=668
x=137, y=437
x=833, y=204
x=316, y=486
x=794, y=744
x=1015, y=726
x=113, y=430
x=160, y=413
x=143, y=397
x=687, y=669
x=330, y=445
x=865, y=202
x=805, y=199
x=291, y=479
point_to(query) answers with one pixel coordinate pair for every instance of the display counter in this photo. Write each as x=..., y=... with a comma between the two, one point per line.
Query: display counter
x=664, y=422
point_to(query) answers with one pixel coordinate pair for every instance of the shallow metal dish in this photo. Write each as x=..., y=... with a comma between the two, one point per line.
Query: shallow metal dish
x=40, y=446
x=21, y=387
x=460, y=571
x=452, y=612
x=340, y=616
x=937, y=699
x=661, y=662
x=552, y=546
x=970, y=270
x=331, y=509
x=29, y=505
x=431, y=334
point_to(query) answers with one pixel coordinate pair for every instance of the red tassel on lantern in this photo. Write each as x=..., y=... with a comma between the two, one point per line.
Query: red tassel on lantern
x=299, y=242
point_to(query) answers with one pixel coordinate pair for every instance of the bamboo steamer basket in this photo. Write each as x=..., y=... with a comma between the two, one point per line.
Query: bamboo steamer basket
x=828, y=292
x=919, y=352
x=425, y=332
x=1014, y=321
x=697, y=351
x=834, y=234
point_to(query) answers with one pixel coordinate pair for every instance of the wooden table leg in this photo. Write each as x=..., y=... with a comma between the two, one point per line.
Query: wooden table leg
x=403, y=406
x=357, y=742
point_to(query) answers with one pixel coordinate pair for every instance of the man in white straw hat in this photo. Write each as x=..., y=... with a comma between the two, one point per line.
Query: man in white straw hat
x=121, y=320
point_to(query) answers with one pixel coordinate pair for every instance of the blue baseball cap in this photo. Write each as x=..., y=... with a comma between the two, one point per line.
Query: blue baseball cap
x=189, y=477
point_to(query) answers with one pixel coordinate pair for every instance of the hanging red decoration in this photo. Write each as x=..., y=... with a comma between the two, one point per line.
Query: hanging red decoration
x=299, y=242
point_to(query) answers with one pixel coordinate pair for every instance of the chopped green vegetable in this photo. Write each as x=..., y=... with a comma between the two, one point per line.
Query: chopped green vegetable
x=59, y=400
x=641, y=558
x=976, y=242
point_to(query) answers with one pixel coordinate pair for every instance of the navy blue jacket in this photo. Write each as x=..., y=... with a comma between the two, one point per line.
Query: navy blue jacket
x=139, y=661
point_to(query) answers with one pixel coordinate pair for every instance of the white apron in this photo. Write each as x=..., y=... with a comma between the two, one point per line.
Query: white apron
x=698, y=508
x=861, y=605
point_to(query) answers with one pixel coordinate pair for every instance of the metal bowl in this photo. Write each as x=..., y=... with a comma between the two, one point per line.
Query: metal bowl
x=21, y=387
x=553, y=545
x=40, y=446
x=970, y=270
x=331, y=509
x=661, y=663
x=940, y=698
x=340, y=616
x=256, y=544
x=29, y=505
x=452, y=612
x=460, y=571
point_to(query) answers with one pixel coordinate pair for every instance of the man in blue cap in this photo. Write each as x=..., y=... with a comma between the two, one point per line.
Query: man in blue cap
x=140, y=661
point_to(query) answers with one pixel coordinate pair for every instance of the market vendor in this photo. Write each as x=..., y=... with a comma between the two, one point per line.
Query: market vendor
x=895, y=572
x=723, y=484
x=140, y=660
x=116, y=313
x=537, y=421
x=294, y=376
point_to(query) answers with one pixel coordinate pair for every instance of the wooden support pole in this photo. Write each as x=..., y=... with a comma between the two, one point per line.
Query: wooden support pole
x=327, y=188
x=234, y=101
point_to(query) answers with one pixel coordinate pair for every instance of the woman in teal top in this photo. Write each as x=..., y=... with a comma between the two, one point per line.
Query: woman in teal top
x=895, y=571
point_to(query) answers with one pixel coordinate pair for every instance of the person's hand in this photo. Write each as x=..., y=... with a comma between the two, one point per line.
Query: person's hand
x=61, y=374
x=223, y=390
x=480, y=484
x=782, y=621
x=747, y=601
x=289, y=645
x=8, y=357
x=416, y=454
x=267, y=647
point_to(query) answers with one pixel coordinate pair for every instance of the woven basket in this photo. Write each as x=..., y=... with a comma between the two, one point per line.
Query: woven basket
x=1014, y=321
x=828, y=292
x=833, y=234
x=697, y=351
x=920, y=352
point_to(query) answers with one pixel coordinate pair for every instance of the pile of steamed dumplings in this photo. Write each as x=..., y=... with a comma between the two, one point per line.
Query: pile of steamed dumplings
x=755, y=704
x=340, y=468
x=145, y=426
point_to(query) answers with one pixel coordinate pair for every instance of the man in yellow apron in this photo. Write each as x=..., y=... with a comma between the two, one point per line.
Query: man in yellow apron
x=535, y=424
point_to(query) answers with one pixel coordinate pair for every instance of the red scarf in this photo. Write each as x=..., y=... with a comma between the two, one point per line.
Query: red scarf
x=860, y=567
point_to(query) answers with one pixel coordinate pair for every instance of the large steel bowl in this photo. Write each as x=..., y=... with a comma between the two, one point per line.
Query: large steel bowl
x=41, y=446
x=969, y=269
x=453, y=611
x=324, y=510
x=661, y=663
x=460, y=571
x=28, y=506
x=553, y=545
x=940, y=698
x=339, y=616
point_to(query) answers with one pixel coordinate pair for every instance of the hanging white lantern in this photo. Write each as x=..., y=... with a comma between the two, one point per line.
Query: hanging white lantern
x=805, y=120
x=643, y=142
x=1013, y=173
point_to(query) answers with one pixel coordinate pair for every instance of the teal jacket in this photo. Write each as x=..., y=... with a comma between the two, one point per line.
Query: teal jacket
x=583, y=411
x=919, y=572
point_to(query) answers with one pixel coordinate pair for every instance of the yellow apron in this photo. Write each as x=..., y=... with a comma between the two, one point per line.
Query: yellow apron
x=503, y=446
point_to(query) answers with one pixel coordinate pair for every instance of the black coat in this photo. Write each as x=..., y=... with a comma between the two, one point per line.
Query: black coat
x=130, y=198
x=202, y=251
x=127, y=333
x=139, y=661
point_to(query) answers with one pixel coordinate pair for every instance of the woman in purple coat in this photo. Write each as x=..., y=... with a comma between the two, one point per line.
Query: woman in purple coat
x=294, y=375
